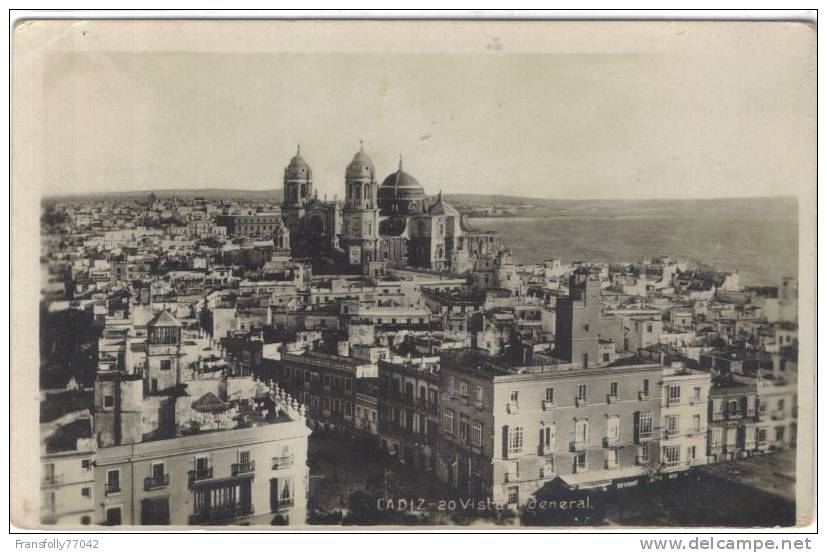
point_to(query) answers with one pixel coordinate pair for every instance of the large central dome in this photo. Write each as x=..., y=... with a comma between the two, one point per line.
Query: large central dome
x=401, y=194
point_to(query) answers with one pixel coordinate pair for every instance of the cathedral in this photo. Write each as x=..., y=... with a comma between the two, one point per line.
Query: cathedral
x=391, y=225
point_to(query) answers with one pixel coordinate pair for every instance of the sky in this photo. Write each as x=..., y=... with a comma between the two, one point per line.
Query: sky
x=719, y=115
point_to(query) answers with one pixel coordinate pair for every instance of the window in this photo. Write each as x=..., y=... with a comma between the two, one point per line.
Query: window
x=476, y=433
x=761, y=436
x=586, y=327
x=613, y=390
x=613, y=429
x=611, y=458
x=448, y=421
x=463, y=429
x=690, y=453
x=696, y=393
x=113, y=481
x=696, y=423
x=113, y=516
x=515, y=440
x=463, y=388
x=548, y=437
x=648, y=328
x=550, y=395
x=643, y=455
x=732, y=407
x=155, y=511
x=548, y=467
x=671, y=455
x=580, y=462
x=479, y=394
x=645, y=387
x=451, y=384
x=86, y=464
x=779, y=433
x=348, y=409
x=671, y=425
x=513, y=494
x=674, y=394
x=581, y=433
x=86, y=491
x=326, y=380
x=281, y=493
x=108, y=401
x=166, y=364
x=582, y=392
x=515, y=397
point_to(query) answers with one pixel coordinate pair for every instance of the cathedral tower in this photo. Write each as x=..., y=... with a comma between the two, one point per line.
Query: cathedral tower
x=360, y=215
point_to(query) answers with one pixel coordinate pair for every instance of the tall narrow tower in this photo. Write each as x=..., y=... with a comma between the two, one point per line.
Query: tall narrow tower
x=298, y=190
x=360, y=215
x=577, y=335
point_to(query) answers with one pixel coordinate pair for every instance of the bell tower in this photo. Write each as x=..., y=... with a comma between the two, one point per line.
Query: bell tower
x=361, y=212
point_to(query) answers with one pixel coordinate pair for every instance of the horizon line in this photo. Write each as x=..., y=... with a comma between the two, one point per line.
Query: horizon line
x=48, y=195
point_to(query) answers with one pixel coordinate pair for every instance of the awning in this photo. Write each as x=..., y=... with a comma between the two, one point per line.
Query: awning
x=600, y=478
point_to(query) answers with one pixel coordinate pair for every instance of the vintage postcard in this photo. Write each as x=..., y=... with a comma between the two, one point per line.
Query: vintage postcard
x=315, y=274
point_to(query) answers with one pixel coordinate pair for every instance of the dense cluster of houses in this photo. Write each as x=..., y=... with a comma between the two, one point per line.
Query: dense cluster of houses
x=220, y=350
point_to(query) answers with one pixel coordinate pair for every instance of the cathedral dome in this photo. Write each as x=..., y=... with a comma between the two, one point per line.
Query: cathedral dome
x=361, y=166
x=298, y=167
x=401, y=193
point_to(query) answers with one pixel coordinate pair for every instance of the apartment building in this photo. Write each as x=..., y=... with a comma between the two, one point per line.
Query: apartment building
x=684, y=417
x=508, y=430
x=326, y=383
x=732, y=419
x=408, y=406
x=777, y=409
x=67, y=454
x=212, y=475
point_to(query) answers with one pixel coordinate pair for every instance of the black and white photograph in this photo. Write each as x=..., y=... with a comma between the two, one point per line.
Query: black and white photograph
x=407, y=274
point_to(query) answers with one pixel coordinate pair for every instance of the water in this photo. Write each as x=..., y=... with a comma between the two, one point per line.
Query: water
x=763, y=249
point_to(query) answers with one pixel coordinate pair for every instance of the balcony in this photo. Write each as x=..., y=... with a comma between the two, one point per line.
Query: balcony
x=221, y=513
x=156, y=482
x=673, y=433
x=199, y=475
x=282, y=504
x=548, y=405
x=643, y=396
x=112, y=489
x=51, y=480
x=610, y=441
x=581, y=401
x=512, y=408
x=577, y=445
x=611, y=399
x=673, y=401
x=777, y=415
x=283, y=462
x=644, y=436
x=510, y=477
x=243, y=468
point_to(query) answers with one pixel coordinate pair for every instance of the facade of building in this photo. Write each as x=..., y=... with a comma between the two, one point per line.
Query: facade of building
x=508, y=431
x=67, y=460
x=253, y=225
x=408, y=407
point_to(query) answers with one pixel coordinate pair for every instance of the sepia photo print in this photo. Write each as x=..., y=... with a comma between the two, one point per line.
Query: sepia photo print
x=321, y=274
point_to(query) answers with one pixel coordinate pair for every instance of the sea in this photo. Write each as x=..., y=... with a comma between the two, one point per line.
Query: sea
x=759, y=239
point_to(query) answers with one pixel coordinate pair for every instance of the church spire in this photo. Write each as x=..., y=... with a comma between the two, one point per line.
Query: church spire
x=400, y=162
